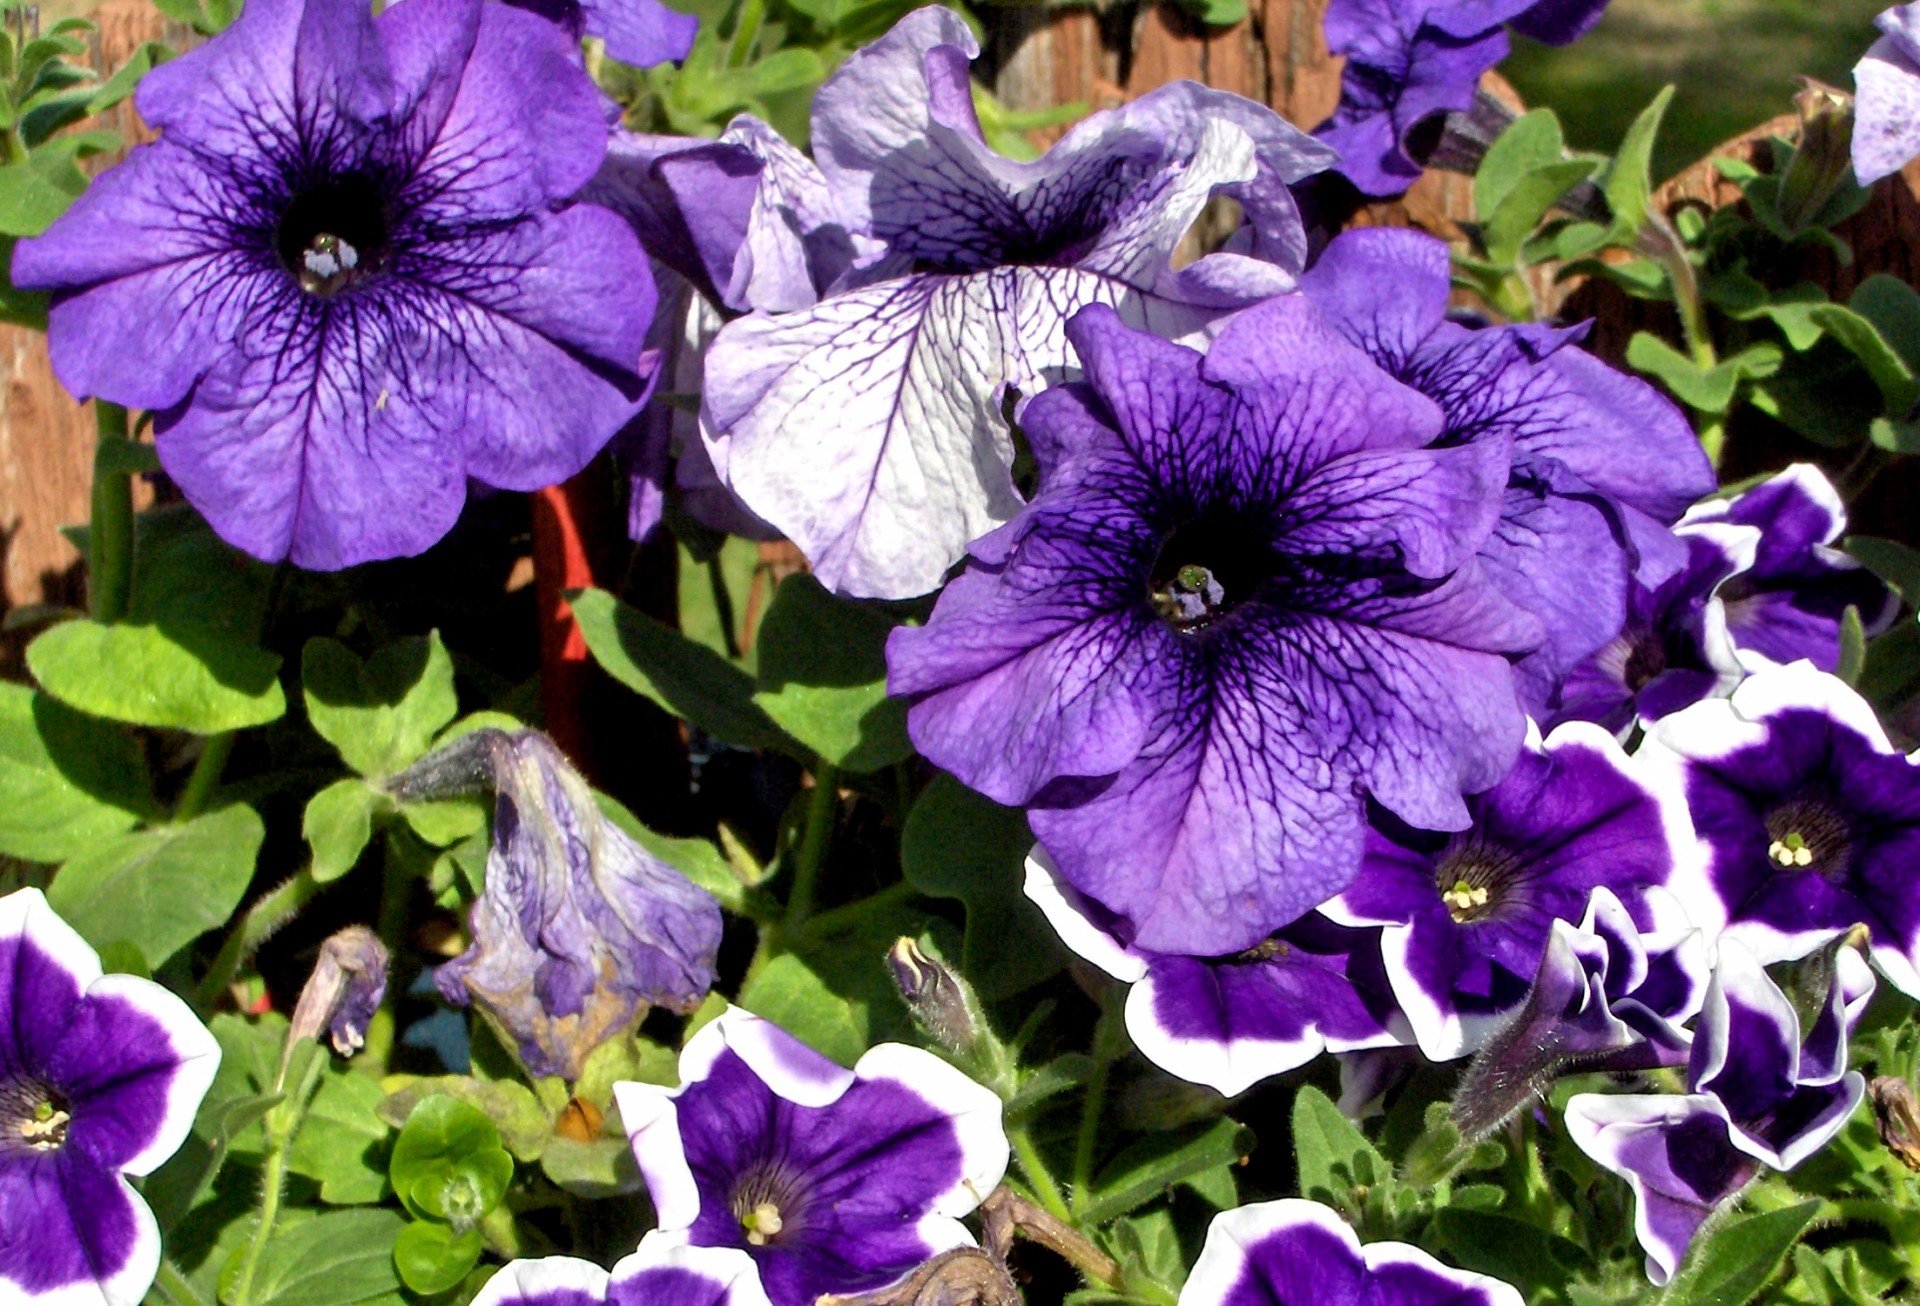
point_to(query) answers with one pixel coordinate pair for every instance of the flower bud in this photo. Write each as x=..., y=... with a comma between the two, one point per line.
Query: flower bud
x=345, y=989
x=935, y=996
x=1822, y=159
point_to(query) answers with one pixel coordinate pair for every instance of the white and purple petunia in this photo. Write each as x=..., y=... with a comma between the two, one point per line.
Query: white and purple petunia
x=1410, y=61
x=1292, y=1251
x=870, y=427
x=1467, y=916
x=1886, y=102
x=1606, y=997
x=1674, y=649
x=1789, y=603
x=579, y=929
x=100, y=1076
x=1761, y=1090
x=662, y=1273
x=831, y=1180
x=1229, y=1022
x=1810, y=819
x=1243, y=600
x=1602, y=466
x=346, y=277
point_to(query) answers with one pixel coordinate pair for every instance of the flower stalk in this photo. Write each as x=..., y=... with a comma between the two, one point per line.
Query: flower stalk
x=110, y=536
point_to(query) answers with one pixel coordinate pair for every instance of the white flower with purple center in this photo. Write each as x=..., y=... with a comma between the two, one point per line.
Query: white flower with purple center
x=1760, y=1091
x=662, y=1273
x=1229, y=1022
x=347, y=277
x=1467, y=916
x=100, y=1076
x=870, y=428
x=1809, y=818
x=1790, y=602
x=831, y=1180
x=1293, y=1251
x=1602, y=466
x=1886, y=102
x=1243, y=601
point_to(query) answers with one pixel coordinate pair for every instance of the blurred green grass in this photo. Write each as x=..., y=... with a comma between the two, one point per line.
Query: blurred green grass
x=1733, y=60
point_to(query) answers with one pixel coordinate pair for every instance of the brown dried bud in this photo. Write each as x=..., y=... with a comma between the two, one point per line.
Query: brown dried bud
x=345, y=989
x=1896, y=1115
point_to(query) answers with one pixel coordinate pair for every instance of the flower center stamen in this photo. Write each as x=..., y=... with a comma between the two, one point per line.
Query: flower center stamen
x=769, y=1204
x=32, y=1116
x=1475, y=880
x=1204, y=570
x=1809, y=835
x=333, y=235
x=762, y=1223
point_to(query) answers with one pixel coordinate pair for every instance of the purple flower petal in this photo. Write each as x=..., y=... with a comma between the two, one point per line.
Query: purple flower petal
x=1886, y=81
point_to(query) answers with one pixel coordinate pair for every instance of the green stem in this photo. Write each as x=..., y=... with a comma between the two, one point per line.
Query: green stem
x=502, y=1232
x=840, y=917
x=282, y=1124
x=110, y=536
x=1037, y=1173
x=813, y=846
x=269, y=912
x=752, y=14
x=723, y=605
x=205, y=776
x=1090, y=1112
x=175, y=1285
x=1664, y=243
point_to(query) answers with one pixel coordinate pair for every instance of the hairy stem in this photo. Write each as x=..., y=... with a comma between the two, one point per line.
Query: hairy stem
x=282, y=1125
x=813, y=846
x=1037, y=1173
x=205, y=776
x=269, y=912
x=110, y=536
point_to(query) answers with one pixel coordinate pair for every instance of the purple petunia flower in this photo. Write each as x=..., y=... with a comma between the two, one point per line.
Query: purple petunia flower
x=1810, y=819
x=100, y=1076
x=1760, y=1091
x=1467, y=916
x=832, y=1180
x=343, y=278
x=1886, y=105
x=346, y=988
x=1243, y=599
x=1229, y=1022
x=1602, y=463
x=638, y=32
x=1410, y=60
x=1279, y=1253
x=1789, y=604
x=662, y=1273
x=870, y=428
x=579, y=928
x=1673, y=649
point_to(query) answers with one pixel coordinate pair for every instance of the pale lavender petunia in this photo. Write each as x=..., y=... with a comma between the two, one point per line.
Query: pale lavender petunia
x=662, y=1273
x=1886, y=103
x=1243, y=600
x=1290, y=1251
x=100, y=1076
x=1467, y=916
x=871, y=428
x=1762, y=1090
x=346, y=277
x=348, y=983
x=638, y=32
x=1229, y=1022
x=831, y=1180
x=579, y=929
x=1791, y=602
x=1810, y=819
x=1603, y=464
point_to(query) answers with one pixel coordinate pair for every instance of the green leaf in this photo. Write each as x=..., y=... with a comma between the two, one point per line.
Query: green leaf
x=342, y=1140
x=337, y=825
x=1533, y=140
x=823, y=676
x=144, y=675
x=1894, y=309
x=1731, y=1264
x=688, y=680
x=160, y=889
x=1525, y=1255
x=786, y=70
x=596, y=1170
x=1890, y=372
x=150, y=55
x=961, y=844
x=383, y=713
x=1709, y=390
x=35, y=193
x=1893, y=562
x=432, y=1258
x=1158, y=1162
x=788, y=993
x=1148, y=1249
x=1628, y=184
x=1508, y=226
x=524, y=1125
x=335, y=1259
x=449, y=1155
x=1853, y=647
x=1333, y=1157
x=67, y=780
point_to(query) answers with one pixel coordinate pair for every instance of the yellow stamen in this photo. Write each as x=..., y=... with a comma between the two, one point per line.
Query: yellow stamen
x=762, y=1223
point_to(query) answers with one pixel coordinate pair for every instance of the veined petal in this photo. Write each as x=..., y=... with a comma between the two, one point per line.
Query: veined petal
x=73, y=1234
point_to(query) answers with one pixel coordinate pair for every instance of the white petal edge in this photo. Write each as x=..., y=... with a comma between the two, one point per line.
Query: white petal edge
x=1056, y=901
x=729, y=1267
x=1497, y=1292
x=194, y=1047
x=974, y=1109
x=1223, y=1258
x=652, y=1124
x=1589, y=1118
x=25, y=913
x=521, y=1280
